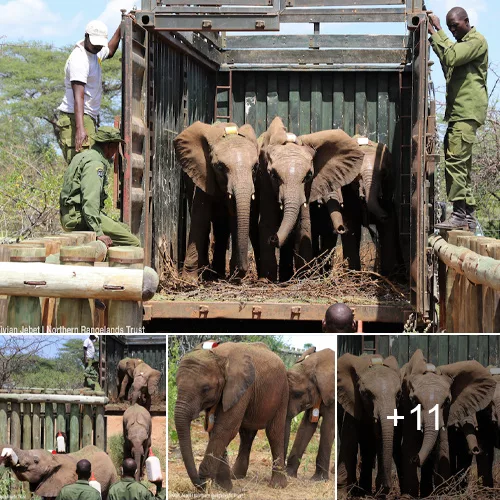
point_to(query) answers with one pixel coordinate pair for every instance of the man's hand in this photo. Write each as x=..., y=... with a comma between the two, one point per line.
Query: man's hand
x=80, y=138
x=106, y=240
x=434, y=22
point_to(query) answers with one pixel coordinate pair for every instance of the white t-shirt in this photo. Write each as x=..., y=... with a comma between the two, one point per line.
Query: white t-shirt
x=90, y=348
x=82, y=66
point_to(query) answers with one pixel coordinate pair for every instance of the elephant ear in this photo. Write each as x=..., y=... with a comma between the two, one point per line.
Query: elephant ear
x=417, y=364
x=275, y=134
x=305, y=354
x=472, y=389
x=192, y=148
x=337, y=162
x=248, y=132
x=392, y=363
x=325, y=376
x=63, y=472
x=153, y=381
x=349, y=368
x=239, y=375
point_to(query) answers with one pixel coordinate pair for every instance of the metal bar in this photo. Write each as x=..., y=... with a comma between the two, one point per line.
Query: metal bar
x=196, y=42
x=313, y=67
x=216, y=3
x=268, y=311
x=385, y=15
x=308, y=56
x=215, y=9
x=316, y=41
x=215, y=22
x=342, y=3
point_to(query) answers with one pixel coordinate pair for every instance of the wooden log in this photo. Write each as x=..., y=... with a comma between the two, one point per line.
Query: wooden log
x=3, y=422
x=87, y=426
x=77, y=238
x=452, y=289
x=36, y=426
x=25, y=312
x=75, y=313
x=15, y=425
x=88, y=235
x=100, y=428
x=61, y=418
x=27, y=429
x=123, y=314
x=49, y=245
x=106, y=283
x=4, y=299
x=56, y=398
x=74, y=428
x=463, y=241
x=49, y=427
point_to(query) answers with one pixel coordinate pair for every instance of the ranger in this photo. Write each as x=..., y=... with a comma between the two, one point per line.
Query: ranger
x=130, y=489
x=81, y=489
x=83, y=192
x=465, y=66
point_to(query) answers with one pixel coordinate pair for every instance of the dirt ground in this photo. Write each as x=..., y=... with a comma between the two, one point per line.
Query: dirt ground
x=158, y=434
x=255, y=485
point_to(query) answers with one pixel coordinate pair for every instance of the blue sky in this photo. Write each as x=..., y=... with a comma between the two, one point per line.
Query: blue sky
x=62, y=22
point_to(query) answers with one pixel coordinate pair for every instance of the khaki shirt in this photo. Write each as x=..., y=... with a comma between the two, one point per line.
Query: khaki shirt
x=129, y=489
x=81, y=490
x=465, y=66
x=84, y=186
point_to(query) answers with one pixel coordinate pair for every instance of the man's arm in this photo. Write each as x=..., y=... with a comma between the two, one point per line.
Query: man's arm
x=457, y=54
x=78, y=95
x=113, y=43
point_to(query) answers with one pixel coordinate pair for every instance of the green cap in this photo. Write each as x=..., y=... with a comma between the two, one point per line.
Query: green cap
x=107, y=134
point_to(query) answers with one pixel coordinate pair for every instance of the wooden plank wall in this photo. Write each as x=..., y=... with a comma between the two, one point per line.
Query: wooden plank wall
x=366, y=103
x=438, y=349
x=180, y=86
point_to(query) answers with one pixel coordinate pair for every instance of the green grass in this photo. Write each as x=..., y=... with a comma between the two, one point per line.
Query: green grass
x=115, y=450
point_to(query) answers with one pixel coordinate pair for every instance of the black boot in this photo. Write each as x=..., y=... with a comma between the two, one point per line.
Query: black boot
x=469, y=217
x=457, y=218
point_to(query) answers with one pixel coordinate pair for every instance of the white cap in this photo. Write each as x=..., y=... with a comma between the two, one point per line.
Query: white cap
x=98, y=33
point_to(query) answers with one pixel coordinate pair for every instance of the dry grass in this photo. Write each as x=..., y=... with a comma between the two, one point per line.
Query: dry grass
x=255, y=485
x=453, y=488
x=310, y=284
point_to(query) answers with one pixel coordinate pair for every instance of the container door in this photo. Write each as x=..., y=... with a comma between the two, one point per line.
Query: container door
x=134, y=169
x=421, y=169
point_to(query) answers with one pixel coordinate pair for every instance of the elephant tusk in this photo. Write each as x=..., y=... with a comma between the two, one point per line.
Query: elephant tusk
x=281, y=206
x=305, y=204
x=253, y=196
x=230, y=195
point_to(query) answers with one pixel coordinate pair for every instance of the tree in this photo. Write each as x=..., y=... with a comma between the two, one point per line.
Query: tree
x=71, y=353
x=19, y=352
x=32, y=87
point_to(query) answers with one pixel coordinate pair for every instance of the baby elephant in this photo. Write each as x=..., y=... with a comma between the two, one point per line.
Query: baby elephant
x=137, y=434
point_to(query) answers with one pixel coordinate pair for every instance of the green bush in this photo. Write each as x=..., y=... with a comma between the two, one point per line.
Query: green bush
x=115, y=450
x=173, y=363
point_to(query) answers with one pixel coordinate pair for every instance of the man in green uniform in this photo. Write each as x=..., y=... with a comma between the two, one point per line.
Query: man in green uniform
x=465, y=65
x=83, y=192
x=130, y=489
x=81, y=489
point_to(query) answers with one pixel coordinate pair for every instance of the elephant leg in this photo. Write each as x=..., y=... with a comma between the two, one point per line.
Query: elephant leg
x=275, y=433
x=304, y=251
x=123, y=387
x=199, y=232
x=368, y=453
x=487, y=456
x=410, y=446
x=304, y=434
x=327, y=436
x=426, y=477
x=269, y=223
x=443, y=466
x=348, y=456
x=221, y=231
x=223, y=477
x=240, y=467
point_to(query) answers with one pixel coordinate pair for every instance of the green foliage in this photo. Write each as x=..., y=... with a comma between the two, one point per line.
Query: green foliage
x=173, y=363
x=115, y=450
x=11, y=487
x=71, y=353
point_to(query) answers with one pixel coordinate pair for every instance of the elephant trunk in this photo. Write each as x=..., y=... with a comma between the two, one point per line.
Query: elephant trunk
x=387, y=445
x=243, y=198
x=336, y=216
x=471, y=438
x=496, y=401
x=290, y=215
x=138, y=457
x=288, y=425
x=430, y=438
x=370, y=173
x=183, y=416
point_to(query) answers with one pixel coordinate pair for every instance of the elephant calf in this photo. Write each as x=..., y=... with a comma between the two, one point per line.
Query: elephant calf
x=137, y=435
x=242, y=387
x=311, y=383
x=48, y=473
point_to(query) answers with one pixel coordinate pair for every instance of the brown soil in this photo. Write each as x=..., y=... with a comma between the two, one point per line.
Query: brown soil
x=255, y=485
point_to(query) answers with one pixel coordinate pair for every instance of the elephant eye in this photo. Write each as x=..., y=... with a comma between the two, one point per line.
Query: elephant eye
x=219, y=166
x=297, y=394
x=274, y=175
x=205, y=388
x=308, y=176
x=255, y=167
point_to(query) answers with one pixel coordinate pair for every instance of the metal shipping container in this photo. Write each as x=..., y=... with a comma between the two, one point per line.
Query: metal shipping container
x=375, y=85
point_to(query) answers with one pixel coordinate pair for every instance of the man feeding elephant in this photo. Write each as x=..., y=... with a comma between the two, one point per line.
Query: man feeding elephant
x=465, y=65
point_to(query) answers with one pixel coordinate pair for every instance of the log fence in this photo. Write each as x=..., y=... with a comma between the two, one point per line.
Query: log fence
x=469, y=282
x=31, y=418
x=49, y=283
